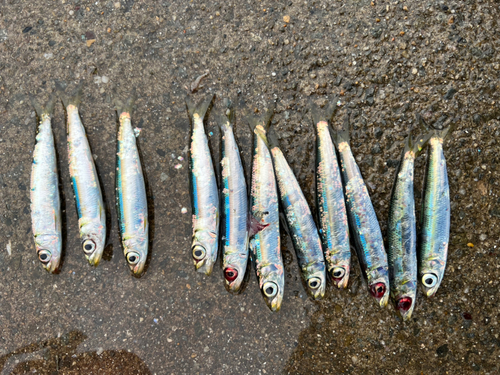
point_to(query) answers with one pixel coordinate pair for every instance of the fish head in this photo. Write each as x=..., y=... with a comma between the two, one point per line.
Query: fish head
x=405, y=299
x=93, y=235
x=340, y=275
x=48, y=247
x=378, y=283
x=315, y=279
x=135, y=250
x=271, y=283
x=431, y=275
x=204, y=251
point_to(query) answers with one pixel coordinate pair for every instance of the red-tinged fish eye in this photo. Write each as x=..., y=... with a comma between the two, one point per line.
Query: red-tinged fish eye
x=377, y=290
x=404, y=304
x=230, y=274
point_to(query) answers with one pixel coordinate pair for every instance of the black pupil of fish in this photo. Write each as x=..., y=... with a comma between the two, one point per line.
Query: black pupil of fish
x=132, y=258
x=230, y=274
x=428, y=281
x=337, y=274
x=43, y=256
x=269, y=290
x=198, y=253
x=88, y=247
x=314, y=283
x=380, y=289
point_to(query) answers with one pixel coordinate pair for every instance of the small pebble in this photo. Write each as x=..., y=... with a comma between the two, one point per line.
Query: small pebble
x=117, y=5
x=184, y=210
x=483, y=237
x=286, y=19
x=163, y=176
x=178, y=166
x=470, y=244
x=414, y=70
x=104, y=79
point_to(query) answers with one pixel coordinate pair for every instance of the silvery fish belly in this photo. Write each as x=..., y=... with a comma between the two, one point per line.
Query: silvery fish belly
x=131, y=197
x=264, y=207
x=234, y=210
x=301, y=226
x=365, y=226
x=204, y=193
x=436, y=220
x=45, y=203
x=89, y=202
x=402, y=236
x=332, y=215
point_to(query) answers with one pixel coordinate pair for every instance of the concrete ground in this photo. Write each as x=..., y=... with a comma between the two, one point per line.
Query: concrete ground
x=386, y=61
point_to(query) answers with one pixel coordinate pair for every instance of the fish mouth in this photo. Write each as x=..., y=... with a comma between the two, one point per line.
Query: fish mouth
x=405, y=306
x=137, y=268
x=204, y=266
x=94, y=259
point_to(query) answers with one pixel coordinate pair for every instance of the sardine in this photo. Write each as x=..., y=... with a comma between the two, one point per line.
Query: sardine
x=365, y=227
x=203, y=190
x=131, y=196
x=234, y=195
x=435, y=231
x=265, y=248
x=402, y=232
x=44, y=193
x=332, y=215
x=88, y=196
x=301, y=225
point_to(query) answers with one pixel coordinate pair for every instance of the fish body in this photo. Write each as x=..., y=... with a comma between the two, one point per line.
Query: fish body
x=365, y=227
x=203, y=191
x=402, y=233
x=332, y=214
x=301, y=225
x=264, y=206
x=44, y=194
x=234, y=198
x=435, y=230
x=131, y=196
x=83, y=173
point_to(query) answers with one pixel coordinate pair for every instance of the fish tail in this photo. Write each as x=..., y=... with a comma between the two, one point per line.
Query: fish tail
x=200, y=108
x=76, y=96
x=449, y=127
x=322, y=114
x=264, y=119
x=342, y=134
x=226, y=120
x=47, y=109
x=127, y=105
x=272, y=139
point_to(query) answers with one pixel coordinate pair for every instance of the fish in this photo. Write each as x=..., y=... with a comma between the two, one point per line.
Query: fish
x=330, y=202
x=265, y=248
x=402, y=231
x=234, y=197
x=435, y=228
x=131, y=199
x=203, y=190
x=44, y=191
x=365, y=228
x=301, y=225
x=83, y=173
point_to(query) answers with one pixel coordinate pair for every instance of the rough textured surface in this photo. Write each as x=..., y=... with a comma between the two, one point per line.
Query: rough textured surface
x=385, y=60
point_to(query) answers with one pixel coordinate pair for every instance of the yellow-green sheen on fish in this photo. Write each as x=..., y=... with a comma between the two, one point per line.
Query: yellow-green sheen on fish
x=88, y=196
x=131, y=196
x=44, y=193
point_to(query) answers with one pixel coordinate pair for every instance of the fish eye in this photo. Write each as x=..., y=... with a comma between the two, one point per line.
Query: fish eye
x=88, y=246
x=44, y=256
x=377, y=290
x=314, y=282
x=133, y=257
x=199, y=252
x=230, y=274
x=270, y=289
x=404, y=304
x=338, y=272
x=429, y=280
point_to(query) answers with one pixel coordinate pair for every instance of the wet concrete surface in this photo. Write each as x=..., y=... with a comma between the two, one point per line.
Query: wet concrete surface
x=385, y=61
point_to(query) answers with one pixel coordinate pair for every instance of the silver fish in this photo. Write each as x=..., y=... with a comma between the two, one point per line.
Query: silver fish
x=435, y=232
x=332, y=215
x=364, y=224
x=301, y=224
x=203, y=190
x=131, y=196
x=234, y=208
x=88, y=196
x=44, y=192
x=264, y=206
x=402, y=232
